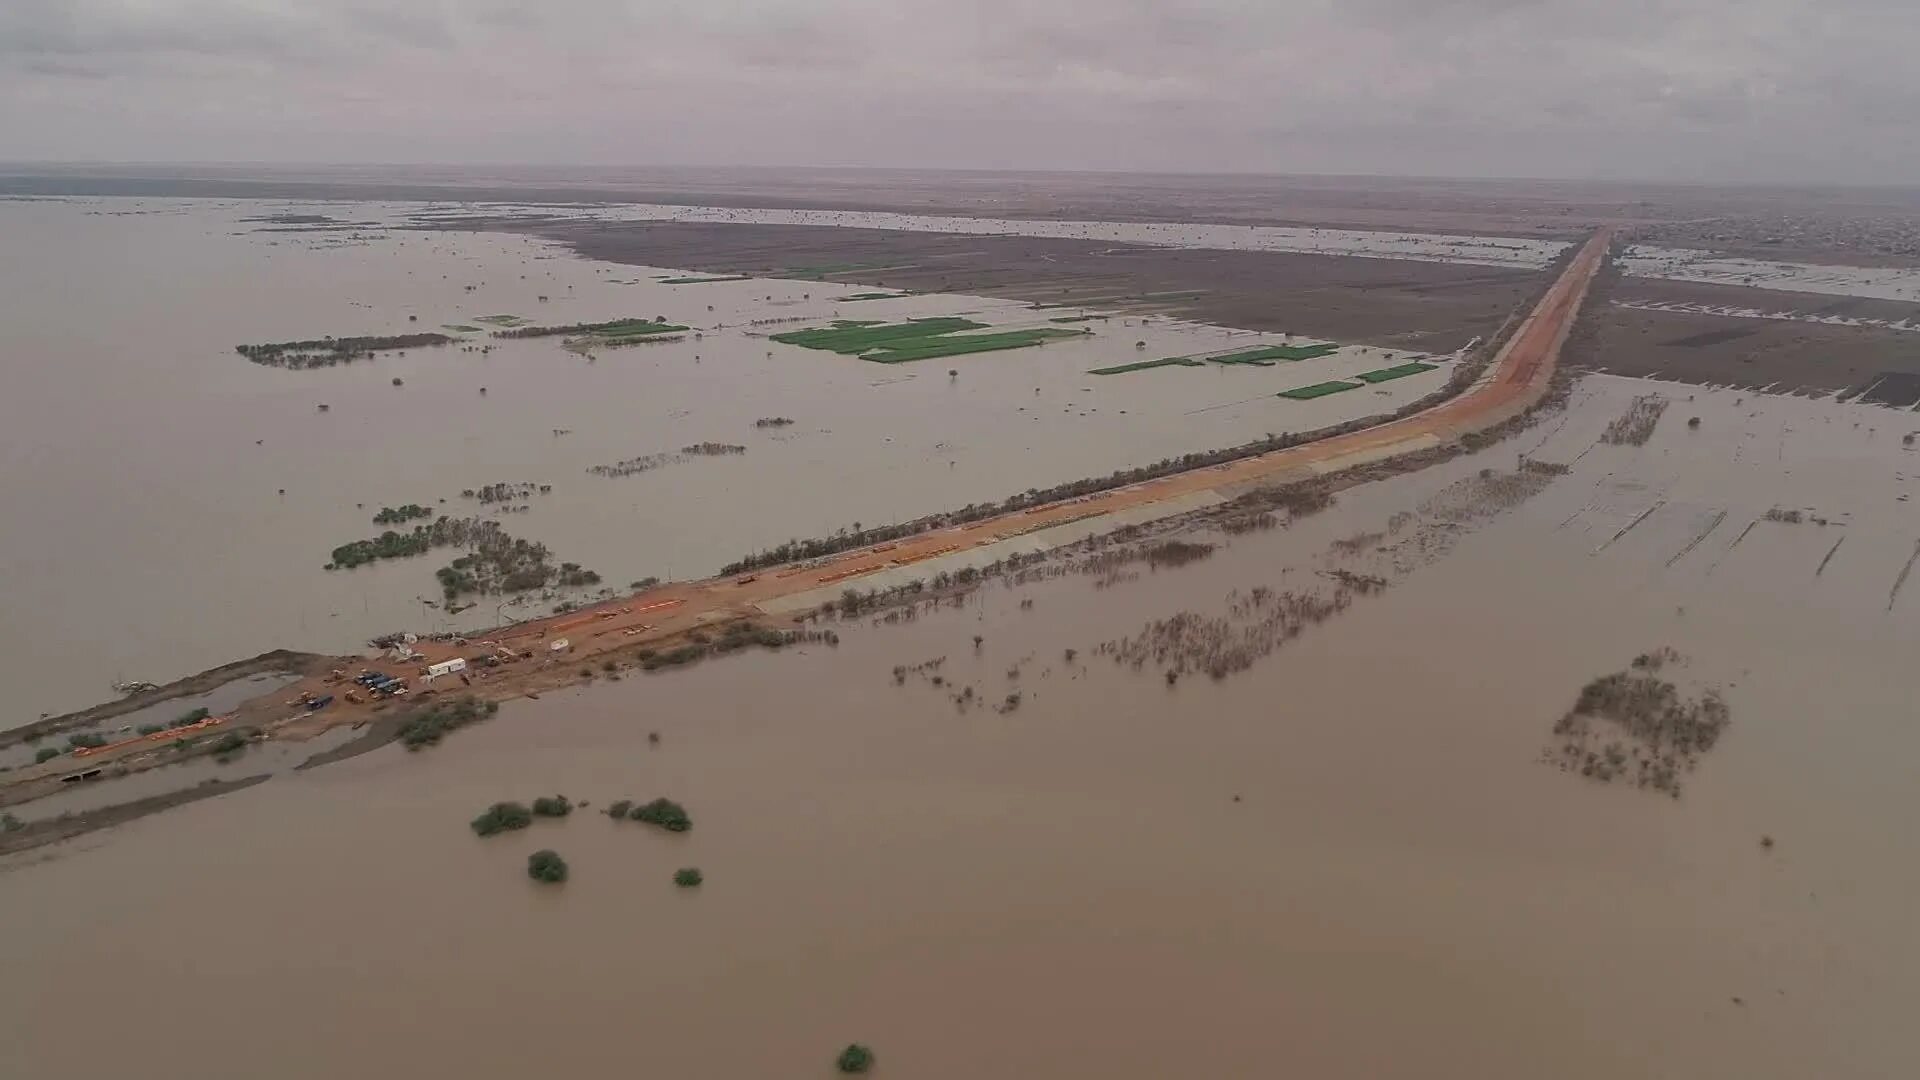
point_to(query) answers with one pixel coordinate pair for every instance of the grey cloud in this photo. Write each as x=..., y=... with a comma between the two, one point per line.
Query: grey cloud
x=1662, y=88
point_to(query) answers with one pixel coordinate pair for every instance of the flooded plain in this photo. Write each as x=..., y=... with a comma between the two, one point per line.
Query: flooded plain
x=1716, y=268
x=1346, y=861
x=172, y=506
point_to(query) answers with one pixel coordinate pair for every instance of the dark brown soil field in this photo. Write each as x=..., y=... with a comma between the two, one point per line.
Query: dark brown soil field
x=1427, y=306
x=1759, y=352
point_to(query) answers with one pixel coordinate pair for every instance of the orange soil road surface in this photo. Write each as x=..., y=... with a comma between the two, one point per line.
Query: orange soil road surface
x=1517, y=379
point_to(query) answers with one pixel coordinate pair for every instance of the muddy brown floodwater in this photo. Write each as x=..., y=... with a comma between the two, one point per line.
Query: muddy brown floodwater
x=1345, y=861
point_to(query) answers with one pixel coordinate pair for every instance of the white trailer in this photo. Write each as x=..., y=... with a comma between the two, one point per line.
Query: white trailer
x=446, y=667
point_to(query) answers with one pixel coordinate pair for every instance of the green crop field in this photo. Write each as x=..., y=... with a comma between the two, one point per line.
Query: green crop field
x=931, y=348
x=1400, y=372
x=1142, y=365
x=704, y=280
x=460, y=328
x=1073, y=318
x=915, y=339
x=851, y=337
x=874, y=296
x=1270, y=353
x=1308, y=393
x=501, y=320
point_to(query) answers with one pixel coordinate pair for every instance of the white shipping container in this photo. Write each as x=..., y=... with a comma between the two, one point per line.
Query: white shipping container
x=446, y=667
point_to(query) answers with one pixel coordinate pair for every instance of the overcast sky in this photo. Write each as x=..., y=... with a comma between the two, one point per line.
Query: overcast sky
x=1666, y=89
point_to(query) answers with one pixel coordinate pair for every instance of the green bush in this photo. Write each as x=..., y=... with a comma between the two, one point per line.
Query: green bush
x=86, y=739
x=688, y=877
x=619, y=809
x=45, y=753
x=558, y=806
x=665, y=813
x=228, y=743
x=430, y=726
x=547, y=865
x=148, y=729
x=502, y=817
x=9, y=823
x=855, y=1059
x=193, y=717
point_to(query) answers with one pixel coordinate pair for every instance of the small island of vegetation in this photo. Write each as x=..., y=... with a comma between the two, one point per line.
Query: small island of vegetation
x=855, y=1059
x=613, y=328
x=547, y=866
x=428, y=727
x=665, y=813
x=400, y=515
x=328, y=351
x=502, y=817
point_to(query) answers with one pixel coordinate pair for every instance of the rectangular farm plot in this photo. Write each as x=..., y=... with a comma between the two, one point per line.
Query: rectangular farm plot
x=851, y=337
x=1267, y=354
x=1388, y=374
x=915, y=339
x=902, y=352
x=1143, y=365
x=1319, y=390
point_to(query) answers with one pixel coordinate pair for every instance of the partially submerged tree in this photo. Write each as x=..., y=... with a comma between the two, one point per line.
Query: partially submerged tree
x=855, y=1059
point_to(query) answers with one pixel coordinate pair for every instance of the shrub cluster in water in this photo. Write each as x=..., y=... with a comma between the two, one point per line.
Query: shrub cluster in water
x=326, y=352
x=547, y=865
x=400, y=515
x=1634, y=725
x=611, y=328
x=855, y=1059
x=429, y=727
x=497, y=562
x=665, y=813
x=688, y=877
x=736, y=636
x=1635, y=426
x=506, y=491
x=555, y=806
x=502, y=817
